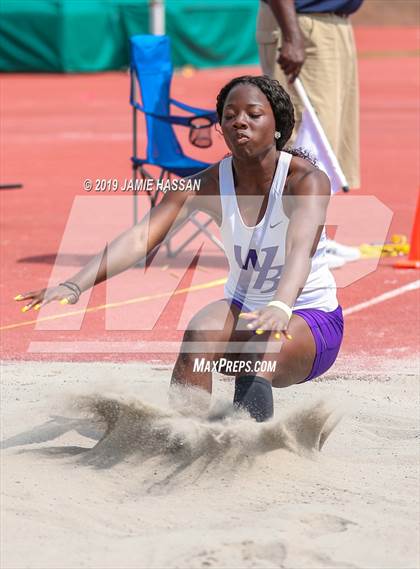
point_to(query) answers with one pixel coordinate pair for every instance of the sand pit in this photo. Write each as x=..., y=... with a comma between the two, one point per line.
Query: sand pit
x=99, y=470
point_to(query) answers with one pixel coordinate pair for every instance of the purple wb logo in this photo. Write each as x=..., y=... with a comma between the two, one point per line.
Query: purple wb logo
x=261, y=265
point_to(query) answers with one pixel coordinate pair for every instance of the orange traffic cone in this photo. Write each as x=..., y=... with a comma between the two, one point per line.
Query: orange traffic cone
x=413, y=259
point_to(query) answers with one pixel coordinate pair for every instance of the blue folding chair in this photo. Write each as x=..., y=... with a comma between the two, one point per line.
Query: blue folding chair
x=151, y=74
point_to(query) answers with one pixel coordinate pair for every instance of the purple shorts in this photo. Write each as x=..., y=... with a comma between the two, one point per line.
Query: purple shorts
x=327, y=329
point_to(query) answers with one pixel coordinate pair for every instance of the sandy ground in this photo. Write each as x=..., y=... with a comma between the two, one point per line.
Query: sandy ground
x=179, y=489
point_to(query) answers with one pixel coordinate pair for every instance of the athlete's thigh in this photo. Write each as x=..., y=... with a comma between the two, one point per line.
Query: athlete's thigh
x=295, y=358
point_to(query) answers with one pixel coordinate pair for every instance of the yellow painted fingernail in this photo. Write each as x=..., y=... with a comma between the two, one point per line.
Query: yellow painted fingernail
x=242, y=315
x=25, y=309
x=64, y=301
x=289, y=337
x=277, y=335
x=18, y=297
x=259, y=331
x=37, y=306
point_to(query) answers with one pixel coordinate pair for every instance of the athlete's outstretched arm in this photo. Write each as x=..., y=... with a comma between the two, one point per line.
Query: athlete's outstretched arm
x=124, y=251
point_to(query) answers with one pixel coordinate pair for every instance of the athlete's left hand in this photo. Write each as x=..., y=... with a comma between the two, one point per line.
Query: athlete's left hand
x=268, y=319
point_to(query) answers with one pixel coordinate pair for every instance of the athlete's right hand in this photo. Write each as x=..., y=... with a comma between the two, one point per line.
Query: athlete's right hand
x=39, y=298
x=292, y=57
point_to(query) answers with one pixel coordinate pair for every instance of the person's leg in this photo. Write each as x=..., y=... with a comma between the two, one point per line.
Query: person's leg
x=321, y=74
x=329, y=76
x=267, y=35
x=316, y=340
x=292, y=360
x=262, y=362
x=315, y=343
x=348, y=153
x=206, y=337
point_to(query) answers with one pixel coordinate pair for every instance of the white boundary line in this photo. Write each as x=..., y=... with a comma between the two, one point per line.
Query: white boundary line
x=382, y=297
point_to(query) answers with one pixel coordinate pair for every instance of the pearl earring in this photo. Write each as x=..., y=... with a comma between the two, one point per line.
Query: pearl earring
x=277, y=135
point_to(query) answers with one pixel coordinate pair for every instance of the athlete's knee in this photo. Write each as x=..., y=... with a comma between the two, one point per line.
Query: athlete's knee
x=204, y=327
x=199, y=332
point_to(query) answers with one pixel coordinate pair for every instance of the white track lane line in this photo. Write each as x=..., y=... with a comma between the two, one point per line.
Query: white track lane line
x=382, y=297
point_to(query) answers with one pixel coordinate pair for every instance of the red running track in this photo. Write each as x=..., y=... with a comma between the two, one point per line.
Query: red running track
x=58, y=130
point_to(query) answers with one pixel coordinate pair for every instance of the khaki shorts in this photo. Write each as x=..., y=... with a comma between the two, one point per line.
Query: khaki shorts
x=329, y=76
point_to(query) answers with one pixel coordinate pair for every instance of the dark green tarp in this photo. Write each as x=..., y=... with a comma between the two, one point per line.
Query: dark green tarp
x=92, y=35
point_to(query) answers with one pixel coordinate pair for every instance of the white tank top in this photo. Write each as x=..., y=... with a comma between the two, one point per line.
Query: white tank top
x=256, y=255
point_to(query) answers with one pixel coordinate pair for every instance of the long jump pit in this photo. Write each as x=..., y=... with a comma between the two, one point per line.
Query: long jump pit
x=100, y=470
